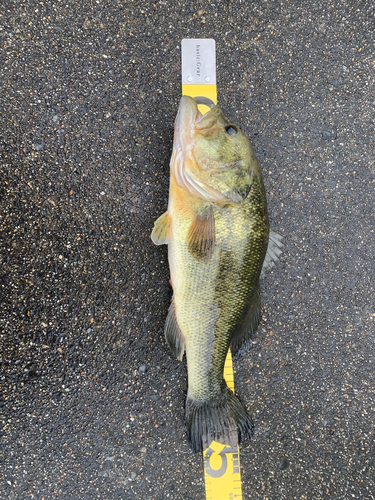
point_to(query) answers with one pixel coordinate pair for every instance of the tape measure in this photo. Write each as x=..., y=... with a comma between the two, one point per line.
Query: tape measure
x=221, y=463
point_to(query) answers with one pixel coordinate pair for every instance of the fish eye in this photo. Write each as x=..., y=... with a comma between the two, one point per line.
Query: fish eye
x=231, y=130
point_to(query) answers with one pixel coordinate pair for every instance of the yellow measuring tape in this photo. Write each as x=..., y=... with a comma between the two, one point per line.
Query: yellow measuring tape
x=221, y=463
x=222, y=472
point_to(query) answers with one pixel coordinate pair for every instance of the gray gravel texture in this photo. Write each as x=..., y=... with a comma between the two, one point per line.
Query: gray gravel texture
x=92, y=402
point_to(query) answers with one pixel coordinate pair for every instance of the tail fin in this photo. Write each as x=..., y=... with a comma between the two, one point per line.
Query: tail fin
x=224, y=420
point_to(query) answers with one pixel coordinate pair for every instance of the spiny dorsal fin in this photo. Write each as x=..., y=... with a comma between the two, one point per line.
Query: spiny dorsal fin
x=242, y=335
x=173, y=335
x=273, y=250
x=201, y=235
x=160, y=233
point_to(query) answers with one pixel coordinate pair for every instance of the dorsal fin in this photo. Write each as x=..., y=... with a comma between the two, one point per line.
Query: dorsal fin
x=273, y=250
x=242, y=335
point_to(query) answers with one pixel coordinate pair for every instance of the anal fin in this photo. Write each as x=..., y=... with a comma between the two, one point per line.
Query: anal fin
x=160, y=233
x=242, y=335
x=273, y=250
x=173, y=334
x=201, y=235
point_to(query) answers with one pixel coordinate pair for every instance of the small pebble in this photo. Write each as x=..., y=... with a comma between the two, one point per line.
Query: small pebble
x=142, y=369
x=39, y=146
x=284, y=464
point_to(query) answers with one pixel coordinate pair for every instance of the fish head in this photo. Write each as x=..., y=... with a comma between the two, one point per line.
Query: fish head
x=212, y=158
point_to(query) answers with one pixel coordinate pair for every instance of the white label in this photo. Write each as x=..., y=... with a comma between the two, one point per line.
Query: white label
x=198, y=61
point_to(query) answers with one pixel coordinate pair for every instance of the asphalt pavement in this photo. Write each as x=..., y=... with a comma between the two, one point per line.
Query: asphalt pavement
x=92, y=403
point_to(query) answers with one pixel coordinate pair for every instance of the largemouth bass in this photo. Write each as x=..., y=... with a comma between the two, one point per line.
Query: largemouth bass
x=217, y=232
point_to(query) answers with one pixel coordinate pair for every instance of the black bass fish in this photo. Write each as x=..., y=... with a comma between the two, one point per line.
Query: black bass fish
x=218, y=237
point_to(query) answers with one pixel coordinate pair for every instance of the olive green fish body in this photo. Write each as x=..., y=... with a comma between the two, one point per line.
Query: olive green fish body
x=217, y=232
x=211, y=296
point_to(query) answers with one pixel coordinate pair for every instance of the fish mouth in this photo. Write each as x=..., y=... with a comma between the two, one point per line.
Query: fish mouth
x=189, y=120
x=189, y=114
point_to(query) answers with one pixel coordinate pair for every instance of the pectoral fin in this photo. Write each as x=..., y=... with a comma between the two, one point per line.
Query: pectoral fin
x=160, y=233
x=273, y=250
x=173, y=334
x=201, y=235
